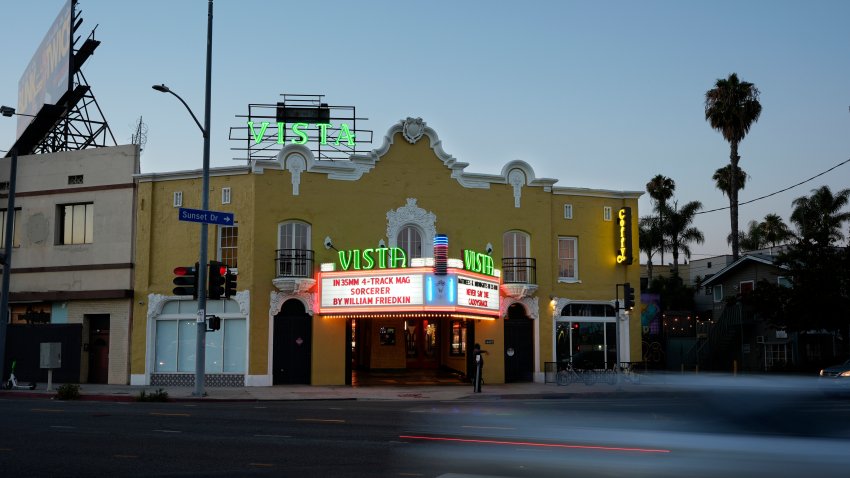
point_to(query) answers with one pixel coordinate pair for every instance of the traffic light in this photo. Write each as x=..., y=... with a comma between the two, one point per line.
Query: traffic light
x=229, y=284
x=186, y=280
x=214, y=322
x=216, y=280
x=628, y=296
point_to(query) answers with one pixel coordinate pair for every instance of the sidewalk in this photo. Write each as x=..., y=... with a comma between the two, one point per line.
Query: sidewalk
x=128, y=393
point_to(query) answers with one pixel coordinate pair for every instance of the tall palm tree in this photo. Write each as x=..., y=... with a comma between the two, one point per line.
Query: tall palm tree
x=650, y=239
x=660, y=189
x=775, y=230
x=819, y=218
x=679, y=231
x=723, y=180
x=731, y=107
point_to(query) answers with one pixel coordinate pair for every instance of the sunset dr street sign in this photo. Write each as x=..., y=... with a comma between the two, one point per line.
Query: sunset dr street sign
x=209, y=217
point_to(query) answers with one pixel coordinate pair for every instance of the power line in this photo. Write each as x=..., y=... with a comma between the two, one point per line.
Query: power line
x=780, y=191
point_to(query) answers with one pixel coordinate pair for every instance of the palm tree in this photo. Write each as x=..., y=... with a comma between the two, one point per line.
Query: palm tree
x=679, y=231
x=731, y=107
x=660, y=189
x=752, y=239
x=775, y=231
x=819, y=218
x=723, y=180
x=650, y=239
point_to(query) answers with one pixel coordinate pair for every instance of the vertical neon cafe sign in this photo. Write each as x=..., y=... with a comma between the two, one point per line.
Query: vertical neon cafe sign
x=375, y=279
x=624, y=255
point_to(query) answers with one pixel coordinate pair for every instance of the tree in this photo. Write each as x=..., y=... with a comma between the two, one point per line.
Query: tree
x=819, y=218
x=678, y=231
x=774, y=230
x=650, y=239
x=752, y=239
x=660, y=189
x=732, y=107
x=723, y=180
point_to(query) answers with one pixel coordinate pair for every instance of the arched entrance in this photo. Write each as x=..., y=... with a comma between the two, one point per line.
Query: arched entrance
x=519, y=345
x=292, y=344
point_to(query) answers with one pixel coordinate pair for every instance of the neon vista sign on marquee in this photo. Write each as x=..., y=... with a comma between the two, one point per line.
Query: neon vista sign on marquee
x=380, y=279
x=299, y=131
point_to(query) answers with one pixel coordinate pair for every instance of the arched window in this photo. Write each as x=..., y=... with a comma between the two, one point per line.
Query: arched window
x=410, y=239
x=294, y=257
x=516, y=257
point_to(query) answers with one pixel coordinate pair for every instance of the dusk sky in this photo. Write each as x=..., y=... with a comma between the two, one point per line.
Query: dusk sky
x=595, y=94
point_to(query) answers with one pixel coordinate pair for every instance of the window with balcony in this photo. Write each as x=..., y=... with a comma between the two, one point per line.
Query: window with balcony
x=225, y=195
x=76, y=223
x=567, y=259
x=517, y=265
x=294, y=256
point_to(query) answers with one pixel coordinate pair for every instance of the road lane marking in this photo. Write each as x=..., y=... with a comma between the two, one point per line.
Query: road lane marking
x=488, y=428
x=537, y=444
x=320, y=420
x=263, y=465
x=5, y=449
x=61, y=426
x=168, y=431
x=48, y=410
x=125, y=456
x=159, y=414
x=274, y=436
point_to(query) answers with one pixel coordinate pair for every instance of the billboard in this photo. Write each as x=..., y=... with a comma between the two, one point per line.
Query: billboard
x=46, y=78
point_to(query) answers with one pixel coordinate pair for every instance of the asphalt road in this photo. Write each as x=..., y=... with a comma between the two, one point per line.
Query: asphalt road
x=724, y=434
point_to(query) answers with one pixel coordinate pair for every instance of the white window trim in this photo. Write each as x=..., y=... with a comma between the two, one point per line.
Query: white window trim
x=569, y=280
x=178, y=199
x=568, y=211
x=606, y=213
x=715, y=290
x=225, y=195
x=741, y=284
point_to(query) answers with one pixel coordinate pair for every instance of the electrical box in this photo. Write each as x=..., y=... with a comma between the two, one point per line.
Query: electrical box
x=51, y=355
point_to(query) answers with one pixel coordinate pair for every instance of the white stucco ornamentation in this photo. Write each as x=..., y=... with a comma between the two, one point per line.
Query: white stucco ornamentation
x=413, y=129
x=155, y=303
x=411, y=214
x=516, y=178
x=530, y=304
x=243, y=300
x=278, y=298
x=296, y=164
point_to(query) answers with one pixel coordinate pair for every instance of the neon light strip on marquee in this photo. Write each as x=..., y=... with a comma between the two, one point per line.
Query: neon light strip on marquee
x=407, y=290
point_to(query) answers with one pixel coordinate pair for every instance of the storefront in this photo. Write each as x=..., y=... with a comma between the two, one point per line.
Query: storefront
x=397, y=259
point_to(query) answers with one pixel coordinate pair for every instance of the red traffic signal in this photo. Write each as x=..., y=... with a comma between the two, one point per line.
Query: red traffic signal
x=229, y=284
x=186, y=280
x=215, y=280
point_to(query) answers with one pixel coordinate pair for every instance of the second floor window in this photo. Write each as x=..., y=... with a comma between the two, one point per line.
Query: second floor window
x=410, y=240
x=16, y=240
x=77, y=223
x=178, y=199
x=294, y=254
x=515, y=255
x=568, y=258
x=227, y=241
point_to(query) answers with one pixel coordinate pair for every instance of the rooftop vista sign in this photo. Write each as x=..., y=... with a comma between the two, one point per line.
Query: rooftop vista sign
x=299, y=133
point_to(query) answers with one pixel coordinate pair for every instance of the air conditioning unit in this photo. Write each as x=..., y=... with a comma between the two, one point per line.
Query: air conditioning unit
x=760, y=339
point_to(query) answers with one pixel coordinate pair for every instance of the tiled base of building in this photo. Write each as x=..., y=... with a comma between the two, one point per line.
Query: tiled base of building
x=188, y=380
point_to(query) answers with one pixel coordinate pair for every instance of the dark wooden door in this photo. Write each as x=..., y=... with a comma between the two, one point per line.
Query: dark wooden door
x=292, y=345
x=519, y=350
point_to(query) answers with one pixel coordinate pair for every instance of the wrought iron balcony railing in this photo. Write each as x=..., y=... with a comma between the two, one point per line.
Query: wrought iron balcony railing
x=519, y=270
x=296, y=263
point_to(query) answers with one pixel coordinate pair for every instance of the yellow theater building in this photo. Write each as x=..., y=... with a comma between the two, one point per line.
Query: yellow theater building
x=395, y=260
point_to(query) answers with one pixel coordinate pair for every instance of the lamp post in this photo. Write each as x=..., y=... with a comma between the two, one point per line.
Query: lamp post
x=200, y=343
x=6, y=257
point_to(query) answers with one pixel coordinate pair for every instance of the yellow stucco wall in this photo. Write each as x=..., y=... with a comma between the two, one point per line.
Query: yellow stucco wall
x=354, y=214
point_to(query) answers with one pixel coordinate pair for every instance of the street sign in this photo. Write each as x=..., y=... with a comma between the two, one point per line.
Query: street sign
x=209, y=217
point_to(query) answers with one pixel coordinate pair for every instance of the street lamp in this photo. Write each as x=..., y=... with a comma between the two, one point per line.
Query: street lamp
x=6, y=256
x=200, y=344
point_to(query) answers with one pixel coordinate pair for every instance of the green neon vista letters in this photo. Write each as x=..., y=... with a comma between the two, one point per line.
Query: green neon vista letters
x=366, y=259
x=477, y=262
x=344, y=135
